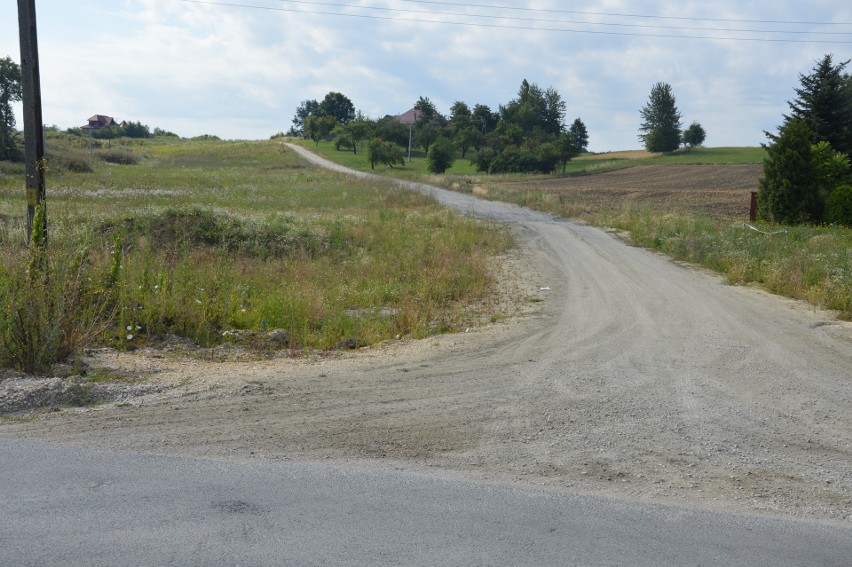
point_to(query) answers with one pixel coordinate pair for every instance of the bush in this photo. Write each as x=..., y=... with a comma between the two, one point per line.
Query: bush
x=838, y=207
x=79, y=166
x=441, y=155
x=120, y=158
x=519, y=159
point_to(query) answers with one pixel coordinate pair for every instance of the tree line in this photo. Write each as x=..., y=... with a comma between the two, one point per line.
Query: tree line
x=527, y=134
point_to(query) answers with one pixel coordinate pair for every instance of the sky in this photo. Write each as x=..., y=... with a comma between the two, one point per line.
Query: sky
x=238, y=69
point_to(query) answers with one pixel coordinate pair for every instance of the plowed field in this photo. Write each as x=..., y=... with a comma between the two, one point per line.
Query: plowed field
x=718, y=190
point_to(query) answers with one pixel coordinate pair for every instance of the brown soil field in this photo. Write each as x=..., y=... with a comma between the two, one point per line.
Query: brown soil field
x=717, y=190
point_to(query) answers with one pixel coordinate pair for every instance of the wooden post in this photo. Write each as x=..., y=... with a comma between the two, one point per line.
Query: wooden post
x=752, y=211
x=33, y=123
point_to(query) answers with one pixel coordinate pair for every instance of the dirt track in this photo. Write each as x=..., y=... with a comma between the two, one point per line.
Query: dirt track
x=633, y=377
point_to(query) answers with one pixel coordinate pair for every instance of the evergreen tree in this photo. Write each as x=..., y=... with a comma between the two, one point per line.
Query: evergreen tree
x=789, y=188
x=824, y=102
x=660, y=128
x=579, y=135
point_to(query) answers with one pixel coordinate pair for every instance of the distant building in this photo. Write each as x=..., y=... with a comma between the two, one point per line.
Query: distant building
x=99, y=121
x=408, y=117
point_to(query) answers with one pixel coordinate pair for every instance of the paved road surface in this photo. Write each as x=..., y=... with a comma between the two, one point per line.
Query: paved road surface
x=61, y=505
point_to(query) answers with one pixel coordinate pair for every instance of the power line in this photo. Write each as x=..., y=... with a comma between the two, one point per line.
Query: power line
x=522, y=27
x=682, y=18
x=559, y=21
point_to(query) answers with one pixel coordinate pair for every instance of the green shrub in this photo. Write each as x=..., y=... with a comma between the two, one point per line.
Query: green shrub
x=838, y=207
x=76, y=165
x=441, y=155
x=120, y=157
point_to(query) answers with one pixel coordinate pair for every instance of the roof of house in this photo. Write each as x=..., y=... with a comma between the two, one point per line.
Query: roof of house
x=407, y=117
x=99, y=121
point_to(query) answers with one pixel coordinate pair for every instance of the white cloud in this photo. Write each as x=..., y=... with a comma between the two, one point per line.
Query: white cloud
x=240, y=72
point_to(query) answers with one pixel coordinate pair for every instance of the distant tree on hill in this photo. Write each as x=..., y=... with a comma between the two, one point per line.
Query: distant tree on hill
x=460, y=113
x=338, y=106
x=391, y=130
x=305, y=109
x=135, y=130
x=318, y=127
x=484, y=120
x=462, y=128
x=10, y=91
x=355, y=132
x=579, y=135
x=426, y=110
x=660, y=128
x=824, y=102
x=382, y=151
x=572, y=143
x=694, y=135
x=538, y=113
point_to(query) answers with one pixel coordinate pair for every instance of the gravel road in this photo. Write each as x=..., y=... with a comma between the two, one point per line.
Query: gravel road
x=629, y=376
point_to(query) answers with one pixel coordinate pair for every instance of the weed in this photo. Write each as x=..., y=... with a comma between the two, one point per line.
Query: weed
x=206, y=236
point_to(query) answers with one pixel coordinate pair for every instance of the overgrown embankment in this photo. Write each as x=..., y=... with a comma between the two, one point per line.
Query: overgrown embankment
x=199, y=238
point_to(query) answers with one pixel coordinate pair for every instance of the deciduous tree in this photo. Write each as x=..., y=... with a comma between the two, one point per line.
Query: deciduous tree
x=318, y=127
x=694, y=135
x=10, y=91
x=382, y=151
x=305, y=109
x=338, y=106
x=357, y=131
x=484, y=119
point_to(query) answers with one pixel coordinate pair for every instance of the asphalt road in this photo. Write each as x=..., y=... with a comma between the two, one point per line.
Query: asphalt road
x=61, y=505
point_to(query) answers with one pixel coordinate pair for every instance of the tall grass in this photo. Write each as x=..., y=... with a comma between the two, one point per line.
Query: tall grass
x=199, y=238
x=812, y=263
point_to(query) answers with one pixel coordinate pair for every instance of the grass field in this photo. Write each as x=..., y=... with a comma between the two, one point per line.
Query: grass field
x=195, y=238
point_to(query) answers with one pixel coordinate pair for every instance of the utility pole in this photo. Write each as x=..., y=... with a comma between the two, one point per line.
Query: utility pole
x=33, y=123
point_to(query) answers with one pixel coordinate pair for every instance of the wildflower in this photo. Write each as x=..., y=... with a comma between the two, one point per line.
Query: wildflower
x=129, y=337
x=130, y=327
